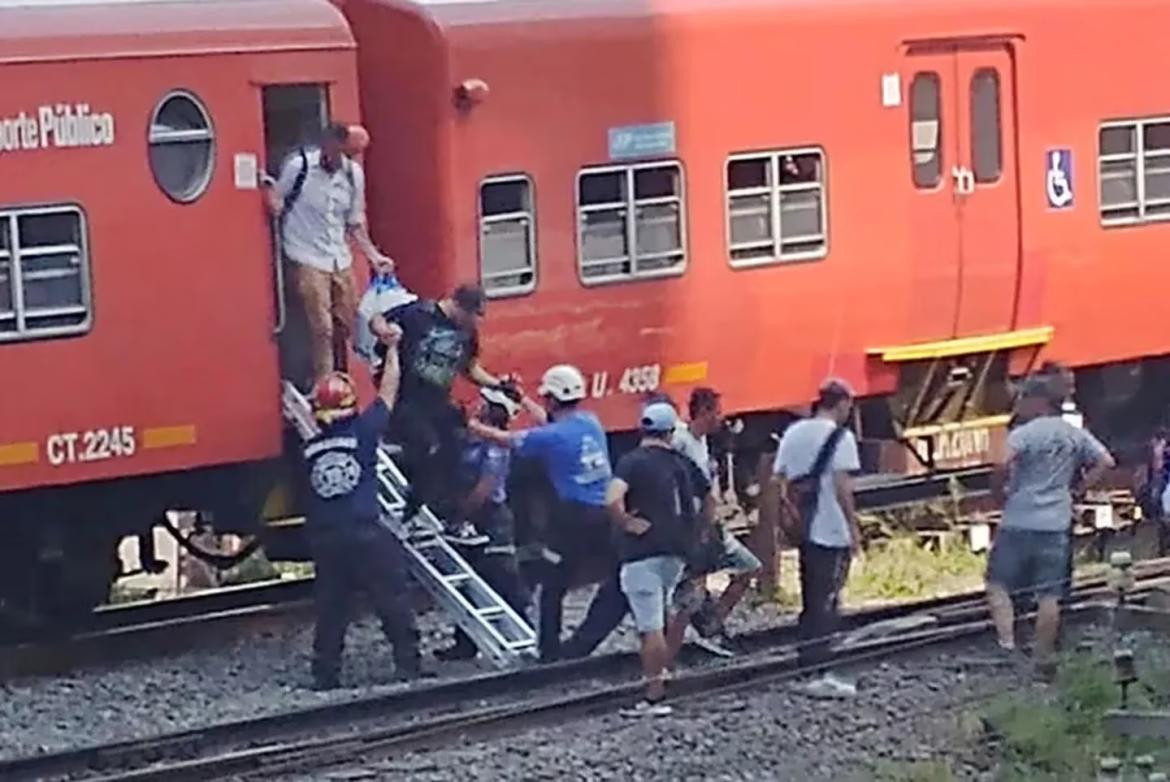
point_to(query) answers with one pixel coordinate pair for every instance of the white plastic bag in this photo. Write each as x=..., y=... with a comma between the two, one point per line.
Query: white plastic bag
x=384, y=294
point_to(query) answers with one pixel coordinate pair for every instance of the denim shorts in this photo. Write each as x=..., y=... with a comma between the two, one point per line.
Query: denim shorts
x=1024, y=560
x=648, y=585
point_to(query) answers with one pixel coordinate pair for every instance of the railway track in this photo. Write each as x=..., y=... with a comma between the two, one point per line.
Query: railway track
x=497, y=702
x=148, y=628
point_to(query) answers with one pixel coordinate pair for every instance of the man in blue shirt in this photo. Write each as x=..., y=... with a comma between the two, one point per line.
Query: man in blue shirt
x=571, y=446
x=352, y=552
x=483, y=479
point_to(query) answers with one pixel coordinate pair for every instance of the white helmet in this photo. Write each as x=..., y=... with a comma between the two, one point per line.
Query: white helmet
x=564, y=383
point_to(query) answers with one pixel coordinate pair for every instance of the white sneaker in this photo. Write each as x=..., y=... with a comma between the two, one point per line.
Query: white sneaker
x=828, y=686
x=713, y=645
x=465, y=534
x=647, y=709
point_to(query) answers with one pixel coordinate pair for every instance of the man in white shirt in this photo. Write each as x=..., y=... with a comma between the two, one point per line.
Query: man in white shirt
x=321, y=204
x=691, y=440
x=823, y=507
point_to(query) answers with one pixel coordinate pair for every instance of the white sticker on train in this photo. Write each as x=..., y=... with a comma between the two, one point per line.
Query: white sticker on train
x=92, y=445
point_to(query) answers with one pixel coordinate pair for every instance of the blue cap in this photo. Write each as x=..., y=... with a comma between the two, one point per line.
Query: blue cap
x=658, y=417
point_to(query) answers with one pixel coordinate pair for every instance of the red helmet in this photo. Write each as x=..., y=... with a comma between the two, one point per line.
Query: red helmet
x=334, y=397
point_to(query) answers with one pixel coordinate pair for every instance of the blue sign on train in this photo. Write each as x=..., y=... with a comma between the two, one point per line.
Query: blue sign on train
x=653, y=140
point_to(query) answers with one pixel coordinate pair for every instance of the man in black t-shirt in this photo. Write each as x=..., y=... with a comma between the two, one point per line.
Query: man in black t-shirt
x=440, y=340
x=651, y=501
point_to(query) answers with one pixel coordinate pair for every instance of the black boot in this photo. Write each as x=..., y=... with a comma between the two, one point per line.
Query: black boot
x=325, y=677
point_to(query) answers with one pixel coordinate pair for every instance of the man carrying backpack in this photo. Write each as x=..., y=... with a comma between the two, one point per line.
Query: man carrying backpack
x=813, y=468
x=321, y=204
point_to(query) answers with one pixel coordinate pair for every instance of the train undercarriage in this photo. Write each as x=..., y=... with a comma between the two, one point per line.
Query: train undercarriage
x=948, y=412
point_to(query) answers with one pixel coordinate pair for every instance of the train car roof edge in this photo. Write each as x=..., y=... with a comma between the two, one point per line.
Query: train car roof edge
x=57, y=30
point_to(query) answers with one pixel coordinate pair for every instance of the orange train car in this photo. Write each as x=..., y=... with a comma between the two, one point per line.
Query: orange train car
x=921, y=197
x=137, y=298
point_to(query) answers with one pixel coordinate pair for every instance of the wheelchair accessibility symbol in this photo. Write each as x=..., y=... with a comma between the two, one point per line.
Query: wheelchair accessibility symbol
x=1058, y=178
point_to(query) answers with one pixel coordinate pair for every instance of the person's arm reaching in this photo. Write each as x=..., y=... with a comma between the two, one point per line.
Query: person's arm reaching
x=1098, y=459
x=480, y=376
x=391, y=373
x=379, y=260
x=356, y=221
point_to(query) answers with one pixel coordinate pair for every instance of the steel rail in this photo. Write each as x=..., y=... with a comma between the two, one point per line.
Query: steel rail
x=269, y=731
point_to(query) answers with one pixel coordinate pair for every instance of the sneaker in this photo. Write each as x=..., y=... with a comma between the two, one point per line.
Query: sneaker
x=828, y=686
x=465, y=534
x=647, y=709
x=716, y=645
x=324, y=683
x=412, y=673
x=456, y=652
x=1045, y=668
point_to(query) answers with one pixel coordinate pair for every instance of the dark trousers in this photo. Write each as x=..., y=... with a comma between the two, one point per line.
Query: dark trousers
x=576, y=532
x=823, y=571
x=606, y=612
x=497, y=563
x=364, y=559
x=431, y=436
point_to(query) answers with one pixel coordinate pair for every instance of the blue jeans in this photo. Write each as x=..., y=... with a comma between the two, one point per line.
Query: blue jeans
x=1024, y=560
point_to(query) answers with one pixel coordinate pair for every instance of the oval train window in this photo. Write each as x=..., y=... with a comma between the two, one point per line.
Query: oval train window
x=181, y=146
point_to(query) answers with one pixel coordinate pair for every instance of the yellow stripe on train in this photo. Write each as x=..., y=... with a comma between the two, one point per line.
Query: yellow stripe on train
x=168, y=436
x=12, y=454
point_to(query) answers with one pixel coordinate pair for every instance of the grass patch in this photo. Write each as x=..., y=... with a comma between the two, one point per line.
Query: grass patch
x=1060, y=735
x=913, y=771
x=903, y=568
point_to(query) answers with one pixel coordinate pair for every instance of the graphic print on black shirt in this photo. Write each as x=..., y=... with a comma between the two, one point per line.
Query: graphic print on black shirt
x=660, y=492
x=433, y=350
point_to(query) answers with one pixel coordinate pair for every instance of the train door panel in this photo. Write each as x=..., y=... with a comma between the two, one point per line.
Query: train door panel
x=989, y=209
x=965, y=215
x=934, y=231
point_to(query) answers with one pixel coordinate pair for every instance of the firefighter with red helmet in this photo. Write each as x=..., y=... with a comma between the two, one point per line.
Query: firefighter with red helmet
x=352, y=552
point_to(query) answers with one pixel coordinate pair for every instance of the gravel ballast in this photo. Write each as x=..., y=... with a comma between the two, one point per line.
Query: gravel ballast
x=905, y=710
x=253, y=677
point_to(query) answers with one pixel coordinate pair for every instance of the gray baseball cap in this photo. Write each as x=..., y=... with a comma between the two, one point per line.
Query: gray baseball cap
x=658, y=417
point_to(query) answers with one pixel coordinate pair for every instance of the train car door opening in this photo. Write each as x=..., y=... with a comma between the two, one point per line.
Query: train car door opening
x=294, y=115
x=965, y=208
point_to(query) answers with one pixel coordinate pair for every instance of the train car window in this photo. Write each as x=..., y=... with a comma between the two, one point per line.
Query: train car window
x=44, y=272
x=986, y=144
x=1156, y=169
x=182, y=146
x=926, y=130
x=776, y=207
x=507, y=241
x=630, y=222
x=1134, y=171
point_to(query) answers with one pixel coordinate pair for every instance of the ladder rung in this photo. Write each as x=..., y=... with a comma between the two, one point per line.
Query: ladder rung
x=489, y=612
x=456, y=578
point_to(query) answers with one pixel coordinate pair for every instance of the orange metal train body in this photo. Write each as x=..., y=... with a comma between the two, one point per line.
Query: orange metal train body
x=749, y=194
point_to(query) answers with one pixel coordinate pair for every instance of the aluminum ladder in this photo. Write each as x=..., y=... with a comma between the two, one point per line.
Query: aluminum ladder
x=501, y=634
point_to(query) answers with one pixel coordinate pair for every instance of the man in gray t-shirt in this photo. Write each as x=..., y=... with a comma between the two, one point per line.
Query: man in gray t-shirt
x=1047, y=459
